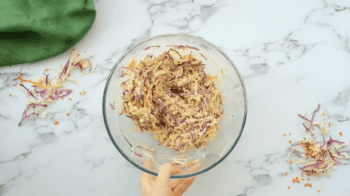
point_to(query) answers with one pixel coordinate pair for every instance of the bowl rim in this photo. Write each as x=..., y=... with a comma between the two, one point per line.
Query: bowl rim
x=105, y=116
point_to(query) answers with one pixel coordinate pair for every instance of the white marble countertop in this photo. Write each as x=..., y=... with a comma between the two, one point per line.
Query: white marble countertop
x=293, y=54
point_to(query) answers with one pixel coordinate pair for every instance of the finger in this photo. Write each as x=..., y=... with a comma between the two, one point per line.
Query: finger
x=148, y=164
x=165, y=173
x=147, y=179
x=175, y=183
x=183, y=186
x=194, y=168
x=175, y=170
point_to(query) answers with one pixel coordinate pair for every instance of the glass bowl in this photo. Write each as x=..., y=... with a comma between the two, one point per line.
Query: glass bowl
x=136, y=147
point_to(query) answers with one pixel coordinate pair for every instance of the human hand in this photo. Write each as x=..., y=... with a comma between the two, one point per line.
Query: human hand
x=161, y=185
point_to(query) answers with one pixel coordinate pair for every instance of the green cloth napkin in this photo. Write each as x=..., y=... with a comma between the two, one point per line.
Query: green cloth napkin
x=33, y=30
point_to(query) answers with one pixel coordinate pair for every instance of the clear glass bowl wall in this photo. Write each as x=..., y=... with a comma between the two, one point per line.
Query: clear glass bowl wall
x=126, y=137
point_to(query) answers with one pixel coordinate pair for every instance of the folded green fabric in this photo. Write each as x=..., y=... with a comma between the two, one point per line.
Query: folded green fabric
x=33, y=30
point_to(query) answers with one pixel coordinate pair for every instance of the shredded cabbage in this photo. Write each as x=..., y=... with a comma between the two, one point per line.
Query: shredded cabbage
x=316, y=160
x=319, y=156
x=173, y=98
x=52, y=89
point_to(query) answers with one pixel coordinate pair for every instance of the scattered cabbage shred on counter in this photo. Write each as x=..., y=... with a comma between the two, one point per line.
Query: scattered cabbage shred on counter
x=318, y=157
x=46, y=90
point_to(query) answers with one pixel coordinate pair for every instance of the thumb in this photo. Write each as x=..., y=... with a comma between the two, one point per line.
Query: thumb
x=165, y=173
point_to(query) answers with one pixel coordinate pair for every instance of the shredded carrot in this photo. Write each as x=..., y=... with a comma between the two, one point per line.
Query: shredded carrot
x=81, y=93
x=318, y=190
x=308, y=179
x=10, y=95
x=288, y=187
x=207, y=132
x=84, y=92
x=276, y=158
x=306, y=150
x=312, y=134
x=291, y=154
x=160, y=83
x=67, y=114
x=290, y=141
x=284, y=134
x=73, y=104
x=56, y=123
x=324, y=157
x=145, y=101
x=132, y=64
x=302, y=178
x=290, y=148
x=46, y=69
x=271, y=163
x=329, y=124
x=295, y=150
x=14, y=84
x=62, y=98
x=35, y=83
x=190, y=163
x=68, y=74
x=290, y=133
x=340, y=133
x=286, y=173
x=290, y=161
x=22, y=74
x=70, y=98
